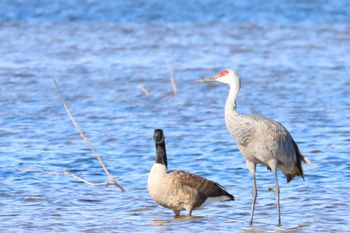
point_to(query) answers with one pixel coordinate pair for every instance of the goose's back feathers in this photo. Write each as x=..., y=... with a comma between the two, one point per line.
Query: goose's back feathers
x=205, y=187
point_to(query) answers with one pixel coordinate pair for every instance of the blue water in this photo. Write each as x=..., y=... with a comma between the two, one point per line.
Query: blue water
x=293, y=60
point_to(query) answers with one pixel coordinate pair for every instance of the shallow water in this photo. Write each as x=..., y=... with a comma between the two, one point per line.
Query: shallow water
x=294, y=64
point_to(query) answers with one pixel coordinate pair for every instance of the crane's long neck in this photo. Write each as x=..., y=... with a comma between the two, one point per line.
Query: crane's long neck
x=230, y=106
x=161, y=154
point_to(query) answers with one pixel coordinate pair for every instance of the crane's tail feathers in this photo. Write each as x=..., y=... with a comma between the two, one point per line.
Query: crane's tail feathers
x=300, y=171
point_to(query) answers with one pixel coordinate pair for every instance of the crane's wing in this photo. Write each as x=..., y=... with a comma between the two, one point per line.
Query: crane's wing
x=282, y=144
x=257, y=129
x=265, y=135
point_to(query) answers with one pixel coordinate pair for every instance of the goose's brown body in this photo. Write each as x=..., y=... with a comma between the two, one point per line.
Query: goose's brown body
x=180, y=190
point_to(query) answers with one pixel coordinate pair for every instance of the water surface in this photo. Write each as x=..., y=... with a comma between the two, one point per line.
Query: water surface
x=294, y=65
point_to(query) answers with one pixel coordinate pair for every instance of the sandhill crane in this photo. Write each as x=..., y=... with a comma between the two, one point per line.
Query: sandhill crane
x=180, y=190
x=260, y=140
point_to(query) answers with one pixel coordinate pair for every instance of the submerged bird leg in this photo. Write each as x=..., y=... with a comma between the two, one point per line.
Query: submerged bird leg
x=177, y=213
x=277, y=193
x=271, y=190
x=190, y=213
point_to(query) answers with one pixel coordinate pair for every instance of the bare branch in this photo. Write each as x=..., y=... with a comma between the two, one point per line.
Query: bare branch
x=80, y=179
x=98, y=157
x=171, y=76
x=144, y=90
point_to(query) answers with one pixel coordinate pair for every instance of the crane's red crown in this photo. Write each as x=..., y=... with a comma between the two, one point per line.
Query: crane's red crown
x=223, y=73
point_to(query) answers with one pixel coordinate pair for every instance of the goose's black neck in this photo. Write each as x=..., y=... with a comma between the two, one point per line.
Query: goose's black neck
x=161, y=154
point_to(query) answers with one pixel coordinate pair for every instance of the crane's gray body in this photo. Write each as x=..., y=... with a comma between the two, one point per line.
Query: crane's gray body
x=263, y=141
x=260, y=140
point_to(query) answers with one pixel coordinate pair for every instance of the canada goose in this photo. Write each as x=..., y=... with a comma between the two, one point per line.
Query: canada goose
x=180, y=190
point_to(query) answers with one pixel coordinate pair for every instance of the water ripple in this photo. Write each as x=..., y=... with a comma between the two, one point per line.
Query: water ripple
x=296, y=73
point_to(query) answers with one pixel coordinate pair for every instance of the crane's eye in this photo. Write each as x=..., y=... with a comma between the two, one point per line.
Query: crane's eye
x=223, y=73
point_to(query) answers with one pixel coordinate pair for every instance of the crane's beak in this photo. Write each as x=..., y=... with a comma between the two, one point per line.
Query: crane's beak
x=211, y=79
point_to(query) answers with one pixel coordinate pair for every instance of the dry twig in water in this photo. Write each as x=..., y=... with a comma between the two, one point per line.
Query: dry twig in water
x=80, y=179
x=144, y=90
x=172, y=80
x=98, y=157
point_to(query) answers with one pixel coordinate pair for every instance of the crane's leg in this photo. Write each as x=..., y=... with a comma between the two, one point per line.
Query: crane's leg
x=277, y=192
x=252, y=168
x=254, y=194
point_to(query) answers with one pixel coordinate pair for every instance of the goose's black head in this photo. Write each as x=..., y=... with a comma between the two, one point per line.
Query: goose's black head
x=158, y=136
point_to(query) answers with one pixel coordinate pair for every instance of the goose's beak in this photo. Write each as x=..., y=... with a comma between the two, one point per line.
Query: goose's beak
x=211, y=79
